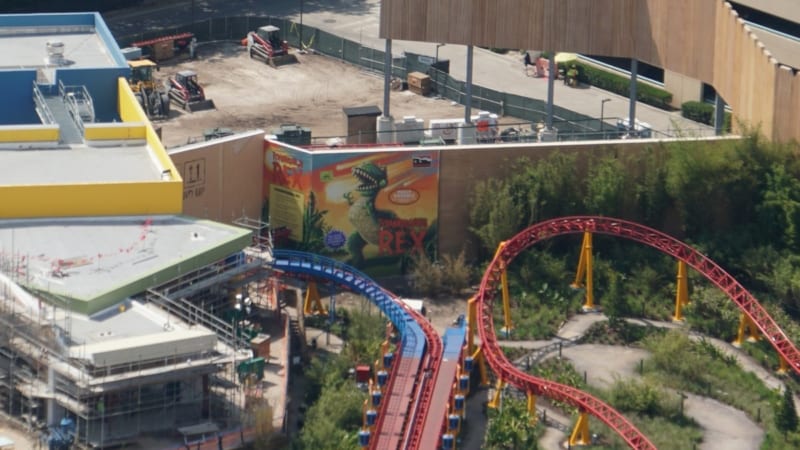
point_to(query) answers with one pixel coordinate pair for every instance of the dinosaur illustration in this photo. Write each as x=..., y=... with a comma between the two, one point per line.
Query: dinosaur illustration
x=363, y=214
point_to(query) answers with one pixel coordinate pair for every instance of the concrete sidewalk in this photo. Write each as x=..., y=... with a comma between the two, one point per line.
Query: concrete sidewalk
x=359, y=21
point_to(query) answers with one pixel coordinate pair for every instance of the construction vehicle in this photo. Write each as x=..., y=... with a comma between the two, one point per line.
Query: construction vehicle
x=266, y=43
x=187, y=92
x=153, y=99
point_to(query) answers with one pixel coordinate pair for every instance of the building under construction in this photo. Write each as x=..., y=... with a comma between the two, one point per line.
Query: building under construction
x=165, y=357
x=120, y=315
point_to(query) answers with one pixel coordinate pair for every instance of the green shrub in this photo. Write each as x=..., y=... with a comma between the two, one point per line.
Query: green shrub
x=619, y=84
x=698, y=111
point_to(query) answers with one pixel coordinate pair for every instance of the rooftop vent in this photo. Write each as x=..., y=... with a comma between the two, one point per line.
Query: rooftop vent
x=55, y=53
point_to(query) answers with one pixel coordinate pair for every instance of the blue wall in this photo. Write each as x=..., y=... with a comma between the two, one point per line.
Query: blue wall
x=102, y=85
x=16, y=86
x=17, y=107
x=41, y=20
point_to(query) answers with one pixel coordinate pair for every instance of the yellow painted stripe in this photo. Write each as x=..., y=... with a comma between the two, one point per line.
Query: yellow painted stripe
x=112, y=132
x=28, y=134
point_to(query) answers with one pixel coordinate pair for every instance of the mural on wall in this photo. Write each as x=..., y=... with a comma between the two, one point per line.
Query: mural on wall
x=372, y=210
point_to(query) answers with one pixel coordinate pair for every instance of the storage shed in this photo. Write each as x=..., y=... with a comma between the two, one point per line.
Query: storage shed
x=361, y=124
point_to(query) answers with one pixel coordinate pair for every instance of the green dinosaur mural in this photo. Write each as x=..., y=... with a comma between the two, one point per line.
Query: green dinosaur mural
x=363, y=214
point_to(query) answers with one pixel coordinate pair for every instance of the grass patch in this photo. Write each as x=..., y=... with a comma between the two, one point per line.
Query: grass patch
x=700, y=368
x=621, y=333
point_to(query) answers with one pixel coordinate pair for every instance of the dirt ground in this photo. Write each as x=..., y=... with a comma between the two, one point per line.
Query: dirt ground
x=249, y=94
x=22, y=440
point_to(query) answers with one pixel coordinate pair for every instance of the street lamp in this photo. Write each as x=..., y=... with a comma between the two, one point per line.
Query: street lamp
x=602, y=113
x=436, y=58
x=301, y=27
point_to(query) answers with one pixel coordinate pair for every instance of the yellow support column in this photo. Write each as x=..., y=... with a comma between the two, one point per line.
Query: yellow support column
x=784, y=367
x=580, y=434
x=508, y=326
x=494, y=403
x=746, y=326
x=532, y=407
x=472, y=321
x=585, y=272
x=481, y=362
x=682, y=292
x=312, y=303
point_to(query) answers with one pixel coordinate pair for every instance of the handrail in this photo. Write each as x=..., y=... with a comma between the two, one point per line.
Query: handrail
x=193, y=314
x=45, y=115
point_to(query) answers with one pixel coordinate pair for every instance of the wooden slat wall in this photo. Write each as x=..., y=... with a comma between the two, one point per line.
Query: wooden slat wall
x=703, y=39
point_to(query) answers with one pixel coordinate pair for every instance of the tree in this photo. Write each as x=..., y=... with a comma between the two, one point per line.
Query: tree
x=510, y=428
x=606, y=192
x=786, y=416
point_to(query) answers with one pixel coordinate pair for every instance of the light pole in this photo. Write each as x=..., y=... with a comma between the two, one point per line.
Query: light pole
x=602, y=114
x=436, y=58
x=301, y=26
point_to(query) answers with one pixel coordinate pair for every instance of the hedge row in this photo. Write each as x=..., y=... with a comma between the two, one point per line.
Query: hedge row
x=704, y=113
x=698, y=111
x=619, y=85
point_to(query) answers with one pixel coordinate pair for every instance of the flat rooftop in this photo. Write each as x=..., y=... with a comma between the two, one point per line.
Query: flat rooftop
x=87, y=43
x=20, y=50
x=96, y=263
x=78, y=164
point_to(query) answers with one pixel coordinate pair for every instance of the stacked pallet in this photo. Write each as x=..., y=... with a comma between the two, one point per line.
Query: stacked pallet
x=419, y=83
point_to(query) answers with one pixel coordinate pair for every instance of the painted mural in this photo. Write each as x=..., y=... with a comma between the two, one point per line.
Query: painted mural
x=371, y=210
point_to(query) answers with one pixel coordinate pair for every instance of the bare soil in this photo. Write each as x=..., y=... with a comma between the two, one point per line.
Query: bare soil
x=250, y=94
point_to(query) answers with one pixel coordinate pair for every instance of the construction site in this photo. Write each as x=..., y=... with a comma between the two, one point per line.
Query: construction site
x=162, y=360
x=121, y=319
x=143, y=302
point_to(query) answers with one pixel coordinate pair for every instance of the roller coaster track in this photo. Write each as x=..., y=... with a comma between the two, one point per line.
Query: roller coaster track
x=505, y=370
x=405, y=409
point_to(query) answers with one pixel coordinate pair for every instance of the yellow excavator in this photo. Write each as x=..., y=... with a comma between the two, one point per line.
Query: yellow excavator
x=153, y=99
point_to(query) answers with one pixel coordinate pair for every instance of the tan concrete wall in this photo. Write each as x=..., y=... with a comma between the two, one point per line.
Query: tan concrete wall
x=702, y=39
x=683, y=88
x=462, y=169
x=223, y=178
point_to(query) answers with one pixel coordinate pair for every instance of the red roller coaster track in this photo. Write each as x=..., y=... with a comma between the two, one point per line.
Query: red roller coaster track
x=629, y=230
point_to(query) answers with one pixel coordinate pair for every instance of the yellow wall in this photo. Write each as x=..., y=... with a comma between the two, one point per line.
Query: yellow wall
x=33, y=133
x=157, y=197
x=114, y=132
x=130, y=111
x=102, y=199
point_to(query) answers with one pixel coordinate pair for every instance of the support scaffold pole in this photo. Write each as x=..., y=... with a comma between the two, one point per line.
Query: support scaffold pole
x=497, y=398
x=584, y=272
x=476, y=353
x=532, y=407
x=682, y=292
x=746, y=326
x=508, y=326
x=313, y=302
x=580, y=434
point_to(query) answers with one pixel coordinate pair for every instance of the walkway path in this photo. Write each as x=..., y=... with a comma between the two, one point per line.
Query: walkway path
x=725, y=428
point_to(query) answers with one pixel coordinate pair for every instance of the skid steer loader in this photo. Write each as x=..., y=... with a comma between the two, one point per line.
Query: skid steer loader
x=187, y=92
x=267, y=44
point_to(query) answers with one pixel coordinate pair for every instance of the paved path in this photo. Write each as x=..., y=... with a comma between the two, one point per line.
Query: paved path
x=358, y=20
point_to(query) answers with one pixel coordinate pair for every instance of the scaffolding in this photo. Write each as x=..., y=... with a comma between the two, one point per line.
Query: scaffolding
x=43, y=380
x=40, y=383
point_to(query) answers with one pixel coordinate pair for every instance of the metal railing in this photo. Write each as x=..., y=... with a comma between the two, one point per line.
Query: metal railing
x=192, y=314
x=45, y=115
x=79, y=103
